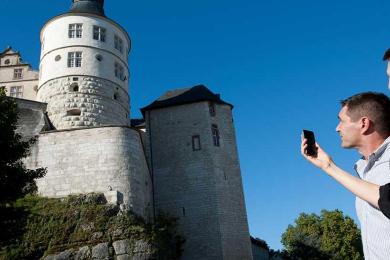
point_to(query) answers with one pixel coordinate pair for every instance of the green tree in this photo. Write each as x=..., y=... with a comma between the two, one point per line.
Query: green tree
x=328, y=236
x=15, y=180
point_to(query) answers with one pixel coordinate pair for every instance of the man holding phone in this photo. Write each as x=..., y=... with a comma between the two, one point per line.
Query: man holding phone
x=364, y=124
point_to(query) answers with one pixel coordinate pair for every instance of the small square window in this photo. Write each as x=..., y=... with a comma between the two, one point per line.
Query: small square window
x=99, y=33
x=74, y=59
x=75, y=30
x=18, y=73
x=196, y=143
x=16, y=91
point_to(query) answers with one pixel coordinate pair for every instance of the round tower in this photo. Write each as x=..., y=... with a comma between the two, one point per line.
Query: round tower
x=84, y=71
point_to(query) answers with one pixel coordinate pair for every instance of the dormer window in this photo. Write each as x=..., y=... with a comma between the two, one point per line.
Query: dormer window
x=118, y=43
x=75, y=30
x=18, y=73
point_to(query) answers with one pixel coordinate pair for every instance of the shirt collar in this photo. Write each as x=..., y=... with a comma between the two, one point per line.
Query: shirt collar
x=361, y=164
x=380, y=150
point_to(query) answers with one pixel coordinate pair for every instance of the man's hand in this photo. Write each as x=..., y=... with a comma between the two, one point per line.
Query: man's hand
x=321, y=159
x=364, y=190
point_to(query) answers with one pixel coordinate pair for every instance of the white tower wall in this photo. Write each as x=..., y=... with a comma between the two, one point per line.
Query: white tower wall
x=94, y=93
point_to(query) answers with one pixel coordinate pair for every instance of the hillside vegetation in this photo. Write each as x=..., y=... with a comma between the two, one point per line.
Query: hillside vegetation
x=37, y=227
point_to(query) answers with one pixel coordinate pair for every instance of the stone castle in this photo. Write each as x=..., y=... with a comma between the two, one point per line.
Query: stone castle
x=181, y=158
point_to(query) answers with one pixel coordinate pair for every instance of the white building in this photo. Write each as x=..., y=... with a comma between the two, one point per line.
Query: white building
x=17, y=77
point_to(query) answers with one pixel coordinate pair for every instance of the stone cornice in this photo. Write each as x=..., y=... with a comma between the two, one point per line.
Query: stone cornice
x=16, y=81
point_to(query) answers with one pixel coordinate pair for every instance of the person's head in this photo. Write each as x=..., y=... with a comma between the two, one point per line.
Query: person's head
x=363, y=114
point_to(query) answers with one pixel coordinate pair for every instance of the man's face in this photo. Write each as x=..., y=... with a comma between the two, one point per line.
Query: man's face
x=349, y=131
x=388, y=71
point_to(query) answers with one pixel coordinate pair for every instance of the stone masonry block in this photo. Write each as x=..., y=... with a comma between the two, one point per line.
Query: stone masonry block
x=121, y=247
x=100, y=251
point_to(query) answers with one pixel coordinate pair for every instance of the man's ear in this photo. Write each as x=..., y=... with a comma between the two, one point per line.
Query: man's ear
x=365, y=125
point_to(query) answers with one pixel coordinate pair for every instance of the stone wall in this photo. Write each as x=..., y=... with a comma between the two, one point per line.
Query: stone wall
x=229, y=189
x=98, y=102
x=259, y=253
x=120, y=250
x=203, y=187
x=103, y=159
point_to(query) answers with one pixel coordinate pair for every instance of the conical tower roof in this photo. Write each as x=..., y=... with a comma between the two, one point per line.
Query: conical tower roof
x=88, y=6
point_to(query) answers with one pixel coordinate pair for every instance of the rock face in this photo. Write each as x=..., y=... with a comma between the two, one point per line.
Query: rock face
x=100, y=251
x=84, y=253
x=119, y=250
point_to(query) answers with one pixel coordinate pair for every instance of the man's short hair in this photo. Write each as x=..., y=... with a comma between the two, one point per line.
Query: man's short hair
x=374, y=105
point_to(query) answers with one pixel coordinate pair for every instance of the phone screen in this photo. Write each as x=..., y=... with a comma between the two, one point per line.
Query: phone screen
x=311, y=142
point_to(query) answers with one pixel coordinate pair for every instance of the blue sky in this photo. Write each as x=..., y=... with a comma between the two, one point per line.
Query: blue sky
x=285, y=65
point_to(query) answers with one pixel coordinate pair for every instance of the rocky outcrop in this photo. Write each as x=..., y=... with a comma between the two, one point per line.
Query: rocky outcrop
x=118, y=250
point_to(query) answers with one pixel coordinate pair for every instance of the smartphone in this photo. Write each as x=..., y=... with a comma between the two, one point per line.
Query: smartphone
x=311, y=143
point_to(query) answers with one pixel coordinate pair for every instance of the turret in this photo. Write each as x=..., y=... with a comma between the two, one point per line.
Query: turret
x=84, y=71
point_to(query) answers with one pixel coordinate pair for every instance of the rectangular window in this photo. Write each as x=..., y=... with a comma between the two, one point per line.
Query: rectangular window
x=212, y=109
x=74, y=59
x=118, y=43
x=75, y=30
x=16, y=91
x=18, y=73
x=215, y=133
x=119, y=71
x=99, y=33
x=196, y=143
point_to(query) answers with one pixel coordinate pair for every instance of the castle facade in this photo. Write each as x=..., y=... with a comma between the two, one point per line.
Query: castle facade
x=180, y=158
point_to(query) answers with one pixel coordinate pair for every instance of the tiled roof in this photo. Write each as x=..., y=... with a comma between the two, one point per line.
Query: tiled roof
x=185, y=96
x=8, y=50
